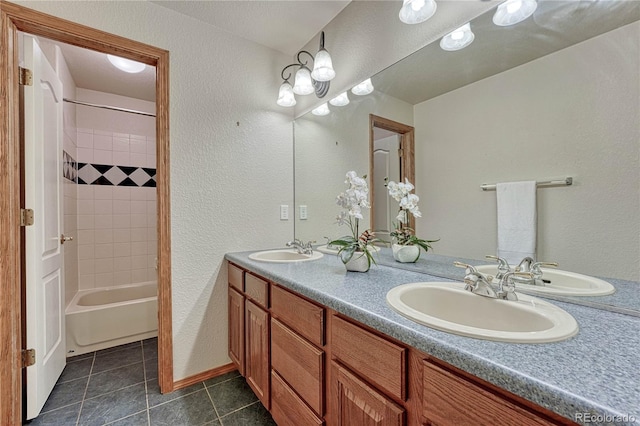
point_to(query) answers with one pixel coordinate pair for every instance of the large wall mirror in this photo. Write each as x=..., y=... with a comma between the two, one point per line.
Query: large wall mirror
x=557, y=95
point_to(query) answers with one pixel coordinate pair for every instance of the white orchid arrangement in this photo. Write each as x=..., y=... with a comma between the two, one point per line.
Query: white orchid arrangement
x=352, y=201
x=408, y=202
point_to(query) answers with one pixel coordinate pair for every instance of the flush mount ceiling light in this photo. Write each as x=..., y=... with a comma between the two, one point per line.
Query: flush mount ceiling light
x=363, y=88
x=416, y=11
x=513, y=11
x=307, y=81
x=341, y=100
x=321, y=110
x=458, y=39
x=126, y=65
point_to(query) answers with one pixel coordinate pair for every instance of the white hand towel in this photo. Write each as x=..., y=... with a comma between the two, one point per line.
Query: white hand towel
x=516, y=220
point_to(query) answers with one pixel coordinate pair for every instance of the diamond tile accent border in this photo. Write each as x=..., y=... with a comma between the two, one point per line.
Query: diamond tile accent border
x=103, y=174
x=69, y=167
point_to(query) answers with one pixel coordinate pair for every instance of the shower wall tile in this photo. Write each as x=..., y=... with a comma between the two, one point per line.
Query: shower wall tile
x=116, y=223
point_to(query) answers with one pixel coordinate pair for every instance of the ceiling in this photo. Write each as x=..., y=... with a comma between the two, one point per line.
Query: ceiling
x=555, y=25
x=285, y=26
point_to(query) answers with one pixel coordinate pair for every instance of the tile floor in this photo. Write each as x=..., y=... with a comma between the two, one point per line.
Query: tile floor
x=119, y=386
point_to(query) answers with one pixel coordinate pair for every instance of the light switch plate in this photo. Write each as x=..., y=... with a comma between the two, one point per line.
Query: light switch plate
x=284, y=212
x=303, y=212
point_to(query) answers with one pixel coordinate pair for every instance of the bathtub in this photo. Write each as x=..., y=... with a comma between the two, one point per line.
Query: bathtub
x=105, y=317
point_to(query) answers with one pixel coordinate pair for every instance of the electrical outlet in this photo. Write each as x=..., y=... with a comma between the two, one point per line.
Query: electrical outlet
x=284, y=212
x=303, y=212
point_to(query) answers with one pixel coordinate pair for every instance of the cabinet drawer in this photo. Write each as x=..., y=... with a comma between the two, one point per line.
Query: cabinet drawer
x=235, y=277
x=377, y=360
x=256, y=289
x=450, y=399
x=357, y=403
x=287, y=408
x=304, y=317
x=299, y=363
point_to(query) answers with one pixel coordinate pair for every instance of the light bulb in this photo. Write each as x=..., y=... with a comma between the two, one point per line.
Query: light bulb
x=285, y=95
x=321, y=110
x=341, y=100
x=458, y=39
x=323, y=67
x=126, y=65
x=302, y=84
x=513, y=11
x=363, y=88
x=416, y=11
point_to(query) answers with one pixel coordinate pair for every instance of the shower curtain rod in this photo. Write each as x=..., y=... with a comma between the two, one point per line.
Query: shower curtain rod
x=131, y=111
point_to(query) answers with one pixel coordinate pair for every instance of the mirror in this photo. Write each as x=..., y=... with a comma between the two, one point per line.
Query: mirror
x=557, y=95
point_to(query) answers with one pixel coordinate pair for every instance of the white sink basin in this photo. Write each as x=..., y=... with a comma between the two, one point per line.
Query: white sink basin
x=447, y=306
x=563, y=283
x=284, y=256
x=330, y=250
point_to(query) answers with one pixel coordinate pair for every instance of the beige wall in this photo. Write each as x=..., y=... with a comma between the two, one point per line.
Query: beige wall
x=572, y=113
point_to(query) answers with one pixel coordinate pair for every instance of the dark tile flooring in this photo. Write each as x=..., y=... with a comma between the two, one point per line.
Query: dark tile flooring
x=119, y=386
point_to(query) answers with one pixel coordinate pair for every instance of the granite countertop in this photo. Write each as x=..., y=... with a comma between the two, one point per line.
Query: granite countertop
x=594, y=372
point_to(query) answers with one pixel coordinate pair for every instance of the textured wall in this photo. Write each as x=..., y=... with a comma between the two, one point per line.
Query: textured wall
x=227, y=180
x=571, y=113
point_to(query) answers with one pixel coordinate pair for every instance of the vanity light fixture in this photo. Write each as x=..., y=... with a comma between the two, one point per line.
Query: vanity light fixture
x=416, y=11
x=307, y=81
x=321, y=110
x=126, y=65
x=513, y=11
x=458, y=39
x=341, y=100
x=363, y=88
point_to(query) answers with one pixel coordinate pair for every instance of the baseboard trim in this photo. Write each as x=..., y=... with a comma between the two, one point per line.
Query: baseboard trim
x=205, y=375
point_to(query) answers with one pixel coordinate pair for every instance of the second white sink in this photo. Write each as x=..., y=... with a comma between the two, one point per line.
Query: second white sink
x=562, y=283
x=447, y=306
x=284, y=256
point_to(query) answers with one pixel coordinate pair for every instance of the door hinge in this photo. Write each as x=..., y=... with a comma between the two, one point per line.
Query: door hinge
x=26, y=217
x=400, y=152
x=25, y=77
x=28, y=357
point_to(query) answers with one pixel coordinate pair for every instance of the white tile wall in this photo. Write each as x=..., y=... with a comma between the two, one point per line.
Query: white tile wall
x=116, y=233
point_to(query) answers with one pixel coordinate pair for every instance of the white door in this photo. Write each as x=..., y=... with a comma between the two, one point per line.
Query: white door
x=43, y=194
x=386, y=164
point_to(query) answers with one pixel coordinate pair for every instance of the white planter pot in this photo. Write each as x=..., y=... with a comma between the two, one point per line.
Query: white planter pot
x=357, y=263
x=405, y=254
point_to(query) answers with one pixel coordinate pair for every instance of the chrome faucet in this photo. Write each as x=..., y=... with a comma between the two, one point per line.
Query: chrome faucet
x=301, y=247
x=525, y=264
x=503, y=266
x=480, y=284
x=536, y=274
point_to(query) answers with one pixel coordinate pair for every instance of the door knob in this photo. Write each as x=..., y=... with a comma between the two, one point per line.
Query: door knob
x=64, y=239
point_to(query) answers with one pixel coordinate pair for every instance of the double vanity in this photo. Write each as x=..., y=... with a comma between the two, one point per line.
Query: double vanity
x=319, y=345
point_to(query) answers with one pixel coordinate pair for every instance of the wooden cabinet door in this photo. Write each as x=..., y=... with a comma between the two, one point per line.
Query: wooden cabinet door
x=257, y=351
x=357, y=403
x=236, y=329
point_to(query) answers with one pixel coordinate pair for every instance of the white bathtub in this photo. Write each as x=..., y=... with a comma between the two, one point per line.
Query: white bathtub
x=106, y=317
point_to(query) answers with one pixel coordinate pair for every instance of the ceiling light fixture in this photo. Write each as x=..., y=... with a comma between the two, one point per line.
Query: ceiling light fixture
x=458, y=39
x=416, y=11
x=363, y=88
x=126, y=65
x=341, y=100
x=321, y=110
x=513, y=11
x=307, y=81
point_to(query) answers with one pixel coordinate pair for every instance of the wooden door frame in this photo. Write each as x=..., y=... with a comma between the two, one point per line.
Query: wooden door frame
x=14, y=18
x=407, y=145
